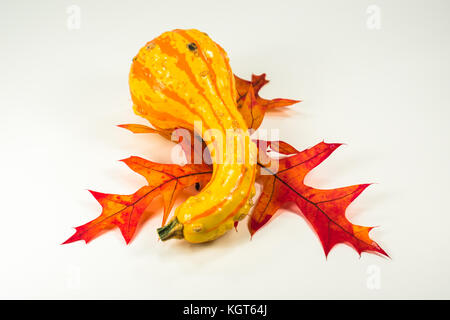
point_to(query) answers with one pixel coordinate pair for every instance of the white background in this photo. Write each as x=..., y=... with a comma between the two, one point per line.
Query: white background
x=385, y=93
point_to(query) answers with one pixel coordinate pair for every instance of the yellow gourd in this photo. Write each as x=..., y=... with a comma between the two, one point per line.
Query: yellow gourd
x=182, y=79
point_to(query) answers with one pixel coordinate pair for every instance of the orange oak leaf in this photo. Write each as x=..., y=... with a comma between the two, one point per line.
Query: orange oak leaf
x=251, y=105
x=139, y=128
x=323, y=209
x=125, y=211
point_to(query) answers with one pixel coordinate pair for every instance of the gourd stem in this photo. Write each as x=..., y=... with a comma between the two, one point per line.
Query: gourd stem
x=174, y=229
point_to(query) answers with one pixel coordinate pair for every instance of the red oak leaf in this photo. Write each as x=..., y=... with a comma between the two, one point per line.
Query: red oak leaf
x=323, y=209
x=125, y=211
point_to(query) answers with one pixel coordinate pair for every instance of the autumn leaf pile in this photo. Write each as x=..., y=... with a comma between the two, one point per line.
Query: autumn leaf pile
x=323, y=209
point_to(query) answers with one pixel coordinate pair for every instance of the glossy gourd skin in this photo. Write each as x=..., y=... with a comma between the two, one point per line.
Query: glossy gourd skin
x=183, y=77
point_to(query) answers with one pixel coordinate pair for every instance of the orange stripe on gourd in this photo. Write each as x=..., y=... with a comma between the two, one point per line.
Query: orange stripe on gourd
x=209, y=62
x=210, y=211
x=165, y=118
x=235, y=211
x=173, y=49
x=233, y=91
x=164, y=94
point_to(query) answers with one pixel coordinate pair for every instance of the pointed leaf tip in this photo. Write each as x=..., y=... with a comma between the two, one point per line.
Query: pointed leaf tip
x=97, y=195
